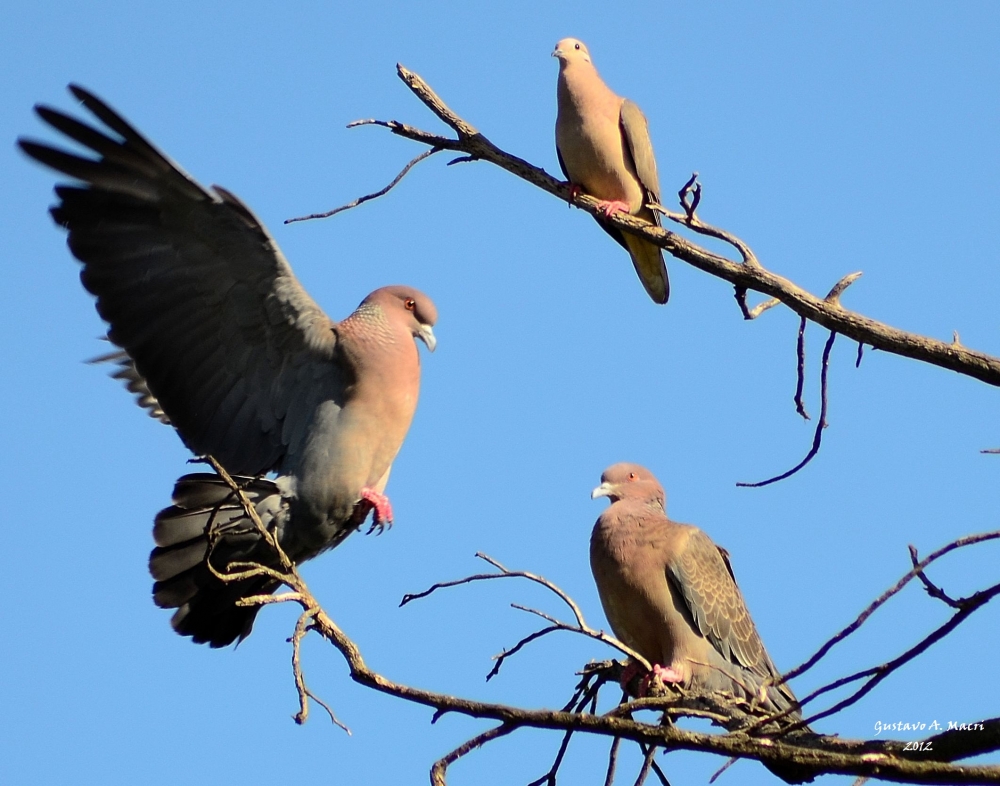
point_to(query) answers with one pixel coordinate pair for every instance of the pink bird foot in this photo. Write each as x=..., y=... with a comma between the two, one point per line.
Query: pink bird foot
x=610, y=208
x=665, y=674
x=574, y=192
x=383, y=509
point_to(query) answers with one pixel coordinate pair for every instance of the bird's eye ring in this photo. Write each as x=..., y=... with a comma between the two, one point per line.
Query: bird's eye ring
x=410, y=304
x=631, y=476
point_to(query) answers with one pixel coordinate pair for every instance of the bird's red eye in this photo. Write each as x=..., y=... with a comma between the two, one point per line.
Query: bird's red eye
x=410, y=304
x=631, y=476
x=576, y=46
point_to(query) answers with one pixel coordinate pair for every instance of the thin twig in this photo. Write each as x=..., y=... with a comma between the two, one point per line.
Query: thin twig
x=647, y=762
x=503, y=574
x=502, y=656
x=581, y=626
x=756, y=311
x=690, y=198
x=440, y=769
x=879, y=673
x=251, y=511
x=968, y=540
x=369, y=197
x=833, y=297
x=731, y=761
x=301, y=628
x=550, y=776
x=818, y=435
x=932, y=589
x=800, y=369
x=609, y=779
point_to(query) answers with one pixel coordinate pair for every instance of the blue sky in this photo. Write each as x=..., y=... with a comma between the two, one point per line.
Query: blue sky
x=832, y=139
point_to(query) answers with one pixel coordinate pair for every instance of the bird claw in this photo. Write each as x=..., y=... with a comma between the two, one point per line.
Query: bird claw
x=383, y=510
x=611, y=208
x=574, y=192
x=664, y=675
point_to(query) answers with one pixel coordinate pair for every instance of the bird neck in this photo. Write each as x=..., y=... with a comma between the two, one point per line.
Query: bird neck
x=575, y=79
x=377, y=347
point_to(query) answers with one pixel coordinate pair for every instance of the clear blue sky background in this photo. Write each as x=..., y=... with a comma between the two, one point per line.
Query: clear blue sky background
x=856, y=137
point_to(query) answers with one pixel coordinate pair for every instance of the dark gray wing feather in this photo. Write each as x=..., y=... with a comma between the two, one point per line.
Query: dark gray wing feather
x=218, y=332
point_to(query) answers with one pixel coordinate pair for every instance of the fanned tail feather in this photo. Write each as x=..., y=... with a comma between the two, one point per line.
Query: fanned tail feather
x=206, y=520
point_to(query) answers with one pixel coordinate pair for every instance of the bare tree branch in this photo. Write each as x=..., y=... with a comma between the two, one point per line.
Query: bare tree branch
x=746, y=274
x=806, y=752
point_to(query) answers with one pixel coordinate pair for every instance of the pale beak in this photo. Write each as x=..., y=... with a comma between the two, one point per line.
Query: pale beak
x=604, y=490
x=425, y=334
x=557, y=53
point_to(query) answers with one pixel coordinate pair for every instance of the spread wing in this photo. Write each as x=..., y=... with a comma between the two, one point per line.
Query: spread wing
x=194, y=289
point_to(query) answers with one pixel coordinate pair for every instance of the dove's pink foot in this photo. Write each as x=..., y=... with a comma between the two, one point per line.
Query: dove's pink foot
x=612, y=207
x=665, y=674
x=574, y=191
x=383, y=510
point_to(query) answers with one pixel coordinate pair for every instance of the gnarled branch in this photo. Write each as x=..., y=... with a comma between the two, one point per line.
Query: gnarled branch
x=747, y=274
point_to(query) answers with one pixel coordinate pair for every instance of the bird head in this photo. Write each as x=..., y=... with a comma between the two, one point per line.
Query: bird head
x=416, y=309
x=571, y=50
x=630, y=481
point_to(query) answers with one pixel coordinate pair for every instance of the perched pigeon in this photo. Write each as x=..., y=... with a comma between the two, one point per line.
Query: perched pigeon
x=219, y=339
x=603, y=145
x=670, y=594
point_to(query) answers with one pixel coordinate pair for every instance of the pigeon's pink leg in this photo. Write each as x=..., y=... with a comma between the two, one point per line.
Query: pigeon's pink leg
x=665, y=674
x=574, y=191
x=383, y=510
x=610, y=208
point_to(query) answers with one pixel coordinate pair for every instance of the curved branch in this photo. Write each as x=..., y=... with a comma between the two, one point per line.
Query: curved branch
x=885, y=759
x=747, y=274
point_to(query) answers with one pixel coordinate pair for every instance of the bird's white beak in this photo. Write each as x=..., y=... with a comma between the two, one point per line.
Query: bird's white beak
x=425, y=334
x=557, y=53
x=604, y=490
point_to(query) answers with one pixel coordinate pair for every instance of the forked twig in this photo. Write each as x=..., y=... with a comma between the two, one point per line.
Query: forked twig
x=880, y=672
x=580, y=627
x=968, y=540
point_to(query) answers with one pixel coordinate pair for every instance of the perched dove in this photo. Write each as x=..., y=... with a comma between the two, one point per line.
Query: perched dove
x=670, y=594
x=219, y=339
x=603, y=145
